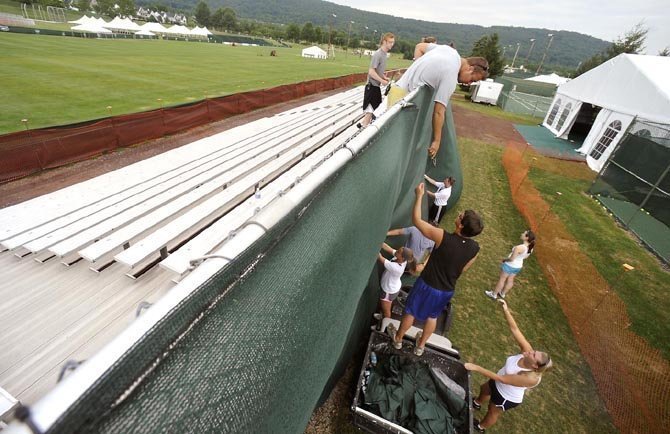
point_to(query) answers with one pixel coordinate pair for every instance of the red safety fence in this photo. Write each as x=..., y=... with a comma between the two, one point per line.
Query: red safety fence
x=26, y=152
x=632, y=377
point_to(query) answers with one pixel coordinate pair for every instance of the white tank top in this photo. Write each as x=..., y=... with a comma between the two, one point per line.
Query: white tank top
x=518, y=261
x=509, y=392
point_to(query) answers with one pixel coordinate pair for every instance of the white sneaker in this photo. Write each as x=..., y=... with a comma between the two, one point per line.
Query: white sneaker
x=377, y=316
x=490, y=294
x=502, y=295
x=390, y=329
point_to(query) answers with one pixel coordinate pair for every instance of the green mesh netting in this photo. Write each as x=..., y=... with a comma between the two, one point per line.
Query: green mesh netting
x=261, y=357
x=635, y=185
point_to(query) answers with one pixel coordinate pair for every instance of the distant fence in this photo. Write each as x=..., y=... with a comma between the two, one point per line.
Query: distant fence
x=525, y=96
x=26, y=152
x=18, y=26
x=15, y=20
x=524, y=103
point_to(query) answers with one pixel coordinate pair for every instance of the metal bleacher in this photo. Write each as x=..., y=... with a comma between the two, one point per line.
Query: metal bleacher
x=148, y=221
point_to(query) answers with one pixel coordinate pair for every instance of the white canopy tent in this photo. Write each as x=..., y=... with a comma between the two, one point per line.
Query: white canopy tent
x=626, y=87
x=314, y=52
x=200, y=31
x=179, y=30
x=154, y=27
x=552, y=78
x=90, y=28
x=144, y=33
x=83, y=20
x=123, y=25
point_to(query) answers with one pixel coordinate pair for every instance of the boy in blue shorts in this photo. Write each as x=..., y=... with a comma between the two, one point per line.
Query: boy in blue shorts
x=453, y=254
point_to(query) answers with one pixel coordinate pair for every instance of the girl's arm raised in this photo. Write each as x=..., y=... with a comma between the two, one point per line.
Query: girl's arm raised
x=518, y=336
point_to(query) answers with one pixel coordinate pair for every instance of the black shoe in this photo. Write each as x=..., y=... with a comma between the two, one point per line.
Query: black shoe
x=476, y=405
x=475, y=425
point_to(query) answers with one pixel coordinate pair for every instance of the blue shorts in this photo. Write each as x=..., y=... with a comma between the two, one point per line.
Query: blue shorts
x=425, y=302
x=509, y=270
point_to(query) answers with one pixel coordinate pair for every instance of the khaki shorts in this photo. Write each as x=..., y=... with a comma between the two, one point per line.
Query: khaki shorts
x=395, y=94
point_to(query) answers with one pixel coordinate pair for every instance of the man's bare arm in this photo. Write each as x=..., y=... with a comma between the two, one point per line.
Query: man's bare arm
x=438, y=123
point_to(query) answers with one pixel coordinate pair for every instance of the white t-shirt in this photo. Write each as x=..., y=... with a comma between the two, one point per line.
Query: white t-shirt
x=391, y=277
x=442, y=194
x=438, y=68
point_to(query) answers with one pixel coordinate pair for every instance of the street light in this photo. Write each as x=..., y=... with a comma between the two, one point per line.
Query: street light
x=539, y=68
x=530, y=50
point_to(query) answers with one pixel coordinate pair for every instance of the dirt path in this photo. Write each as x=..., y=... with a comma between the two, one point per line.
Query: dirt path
x=474, y=125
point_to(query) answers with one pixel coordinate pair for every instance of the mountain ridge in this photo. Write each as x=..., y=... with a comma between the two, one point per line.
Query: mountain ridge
x=568, y=48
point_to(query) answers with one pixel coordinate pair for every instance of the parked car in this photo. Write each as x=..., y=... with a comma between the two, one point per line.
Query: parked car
x=4, y=28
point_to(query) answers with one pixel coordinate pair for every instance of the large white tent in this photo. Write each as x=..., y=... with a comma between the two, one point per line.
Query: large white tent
x=624, y=88
x=314, y=52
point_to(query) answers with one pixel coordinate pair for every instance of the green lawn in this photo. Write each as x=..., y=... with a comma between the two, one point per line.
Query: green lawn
x=495, y=111
x=644, y=290
x=567, y=399
x=53, y=80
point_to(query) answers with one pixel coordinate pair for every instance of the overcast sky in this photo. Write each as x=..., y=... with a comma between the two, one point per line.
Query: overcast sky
x=604, y=20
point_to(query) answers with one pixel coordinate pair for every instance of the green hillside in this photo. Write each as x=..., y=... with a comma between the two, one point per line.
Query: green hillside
x=568, y=48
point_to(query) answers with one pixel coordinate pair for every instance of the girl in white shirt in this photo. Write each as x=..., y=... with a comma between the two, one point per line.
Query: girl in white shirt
x=440, y=198
x=511, y=266
x=506, y=388
x=390, y=281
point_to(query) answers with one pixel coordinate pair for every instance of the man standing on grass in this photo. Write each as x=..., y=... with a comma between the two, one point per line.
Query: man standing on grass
x=441, y=68
x=452, y=255
x=376, y=78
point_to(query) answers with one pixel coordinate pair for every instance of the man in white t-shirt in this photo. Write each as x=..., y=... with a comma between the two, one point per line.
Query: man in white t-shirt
x=441, y=68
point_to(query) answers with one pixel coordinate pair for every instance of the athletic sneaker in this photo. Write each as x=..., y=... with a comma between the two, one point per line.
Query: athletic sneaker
x=390, y=329
x=377, y=316
x=502, y=295
x=476, y=405
x=490, y=294
x=418, y=351
x=475, y=425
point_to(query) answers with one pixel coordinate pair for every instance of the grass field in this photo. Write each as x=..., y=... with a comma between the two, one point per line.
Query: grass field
x=567, y=399
x=52, y=80
x=644, y=291
x=495, y=111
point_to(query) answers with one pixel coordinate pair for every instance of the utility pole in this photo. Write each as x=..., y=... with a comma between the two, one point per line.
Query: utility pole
x=539, y=68
x=330, y=37
x=518, y=45
x=348, y=36
x=530, y=50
